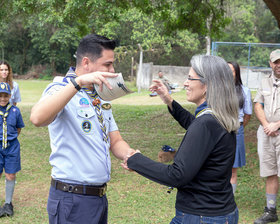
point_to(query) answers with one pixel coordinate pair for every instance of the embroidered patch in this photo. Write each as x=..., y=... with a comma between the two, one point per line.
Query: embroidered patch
x=106, y=106
x=84, y=102
x=86, y=126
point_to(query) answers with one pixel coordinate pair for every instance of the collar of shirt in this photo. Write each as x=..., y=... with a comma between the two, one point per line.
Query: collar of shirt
x=70, y=74
x=200, y=108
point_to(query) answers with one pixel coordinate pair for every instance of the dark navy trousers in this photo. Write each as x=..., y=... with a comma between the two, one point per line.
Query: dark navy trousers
x=68, y=208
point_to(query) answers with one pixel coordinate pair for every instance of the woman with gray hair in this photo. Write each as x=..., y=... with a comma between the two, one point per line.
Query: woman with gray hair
x=201, y=170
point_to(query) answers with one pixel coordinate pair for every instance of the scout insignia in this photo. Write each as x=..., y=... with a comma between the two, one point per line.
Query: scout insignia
x=86, y=126
x=84, y=102
x=5, y=88
x=96, y=101
x=106, y=106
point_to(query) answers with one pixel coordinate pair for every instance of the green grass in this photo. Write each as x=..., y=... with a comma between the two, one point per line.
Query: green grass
x=132, y=198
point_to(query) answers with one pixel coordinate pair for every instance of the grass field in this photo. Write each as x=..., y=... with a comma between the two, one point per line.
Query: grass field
x=146, y=125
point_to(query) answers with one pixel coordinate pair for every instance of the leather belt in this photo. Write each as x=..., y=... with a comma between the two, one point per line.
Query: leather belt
x=80, y=189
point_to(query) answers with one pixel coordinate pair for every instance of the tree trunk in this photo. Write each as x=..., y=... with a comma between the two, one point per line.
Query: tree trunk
x=274, y=6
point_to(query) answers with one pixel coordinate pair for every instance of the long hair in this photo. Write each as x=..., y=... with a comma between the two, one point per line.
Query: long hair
x=92, y=45
x=238, y=83
x=9, y=78
x=221, y=95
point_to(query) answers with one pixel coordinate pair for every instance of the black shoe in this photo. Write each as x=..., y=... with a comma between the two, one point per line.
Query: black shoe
x=268, y=216
x=2, y=212
x=8, y=209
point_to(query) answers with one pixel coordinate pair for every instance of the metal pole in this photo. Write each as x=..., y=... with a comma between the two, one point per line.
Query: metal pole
x=139, y=74
x=213, y=48
x=249, y=56
x=131, y=72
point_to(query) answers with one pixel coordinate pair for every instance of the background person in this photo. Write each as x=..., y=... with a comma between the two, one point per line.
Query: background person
x=10, y=126
x=82, y=130
x=267, y=109
x=6, y=75
x=165, y=81
x=245, y=111
x=202, y=166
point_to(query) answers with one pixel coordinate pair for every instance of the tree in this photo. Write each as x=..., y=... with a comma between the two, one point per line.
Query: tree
x=170, y=31
x=54, y=27
x=274, y=6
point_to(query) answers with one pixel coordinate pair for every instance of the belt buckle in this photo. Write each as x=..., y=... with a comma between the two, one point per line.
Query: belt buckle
x=102, y=191
x=68, y=188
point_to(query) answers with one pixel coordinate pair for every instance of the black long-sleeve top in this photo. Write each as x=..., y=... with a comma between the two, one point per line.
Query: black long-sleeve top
x=202, y=166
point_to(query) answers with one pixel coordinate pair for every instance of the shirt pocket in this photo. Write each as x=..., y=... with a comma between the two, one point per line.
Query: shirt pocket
x=86, y=118
x=267, y=95
x=107, y=116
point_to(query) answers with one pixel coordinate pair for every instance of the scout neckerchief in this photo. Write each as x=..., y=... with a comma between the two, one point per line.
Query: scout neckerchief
x=5, y=132
x=202, y=109
x=276, y=84
x=96, y=103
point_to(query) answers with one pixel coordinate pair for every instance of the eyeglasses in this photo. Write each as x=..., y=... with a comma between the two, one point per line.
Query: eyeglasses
x=192, y=79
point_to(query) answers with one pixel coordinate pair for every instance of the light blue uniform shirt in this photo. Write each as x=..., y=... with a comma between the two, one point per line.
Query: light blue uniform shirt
x=79, y=154
x=15, y=94
x=247, y=107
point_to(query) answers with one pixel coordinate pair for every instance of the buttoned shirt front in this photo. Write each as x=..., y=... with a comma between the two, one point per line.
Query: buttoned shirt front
x=79, y=153
x=264, y=96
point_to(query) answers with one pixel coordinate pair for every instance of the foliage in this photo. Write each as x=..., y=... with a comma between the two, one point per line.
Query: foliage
x=170, y=31
x=251, y=22
x=53, y=28
x=158, y=47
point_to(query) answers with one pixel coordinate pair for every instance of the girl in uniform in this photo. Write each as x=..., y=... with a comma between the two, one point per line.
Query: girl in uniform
x=6, y=75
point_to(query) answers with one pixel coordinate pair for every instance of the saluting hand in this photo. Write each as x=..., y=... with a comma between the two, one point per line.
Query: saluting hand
x=159, y=87
x=99, y=78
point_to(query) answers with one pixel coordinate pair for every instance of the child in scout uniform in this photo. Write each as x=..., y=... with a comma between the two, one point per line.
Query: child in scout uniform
x=10, y=126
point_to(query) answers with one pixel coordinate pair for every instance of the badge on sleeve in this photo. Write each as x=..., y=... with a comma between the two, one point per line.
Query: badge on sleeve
x=106, y=106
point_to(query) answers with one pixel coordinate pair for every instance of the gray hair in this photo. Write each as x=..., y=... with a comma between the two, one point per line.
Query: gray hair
x=221, y=95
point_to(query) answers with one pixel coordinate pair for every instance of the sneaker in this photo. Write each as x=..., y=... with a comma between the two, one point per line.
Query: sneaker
x=268, y=216
x=2, y=212
x=8, y=209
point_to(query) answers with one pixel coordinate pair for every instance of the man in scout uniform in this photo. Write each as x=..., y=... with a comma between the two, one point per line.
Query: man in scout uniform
x=10, y=126
x=267, y=109
x=82, y=130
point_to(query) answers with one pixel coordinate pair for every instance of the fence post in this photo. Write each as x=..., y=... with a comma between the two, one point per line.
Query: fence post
x=139, y=73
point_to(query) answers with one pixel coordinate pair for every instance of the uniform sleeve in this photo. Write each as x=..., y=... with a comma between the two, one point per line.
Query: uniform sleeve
x=20, y=123
x=192, y=153
x=52, y=89
x=181, y=115
x=259, y=96
x=247, y=108
x=16, y=97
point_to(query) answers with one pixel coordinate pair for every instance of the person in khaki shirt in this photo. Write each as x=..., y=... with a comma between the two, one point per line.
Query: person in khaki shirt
x=267, y=110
